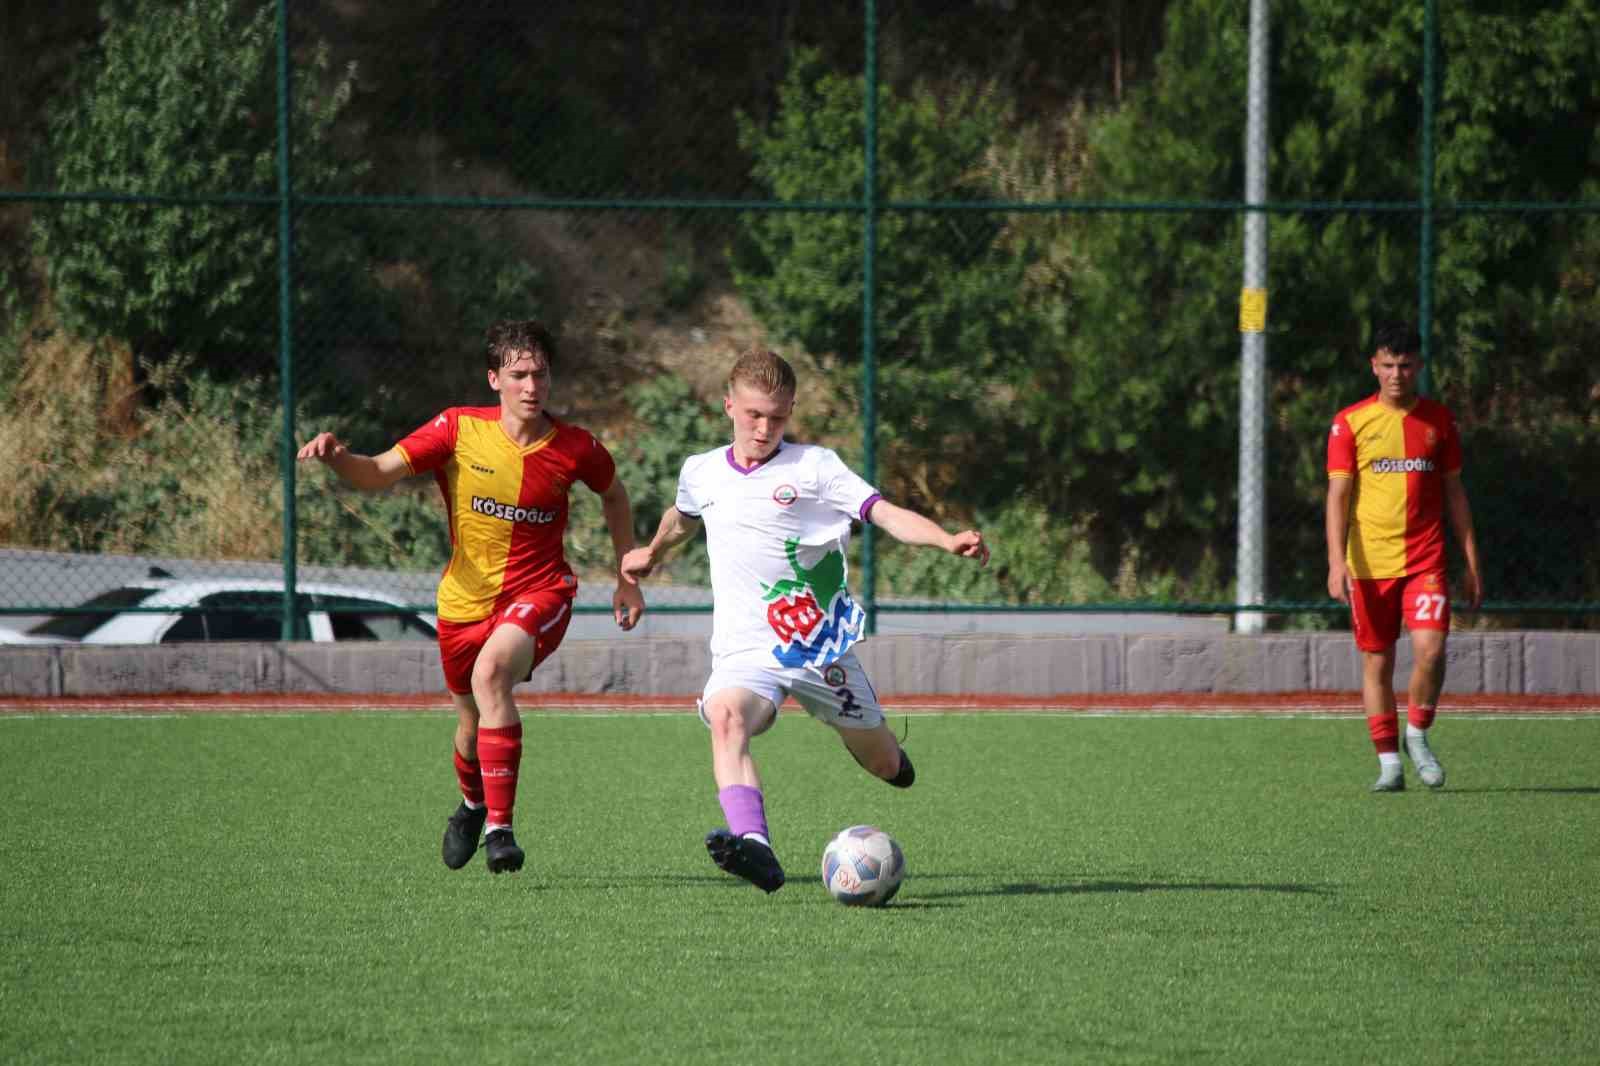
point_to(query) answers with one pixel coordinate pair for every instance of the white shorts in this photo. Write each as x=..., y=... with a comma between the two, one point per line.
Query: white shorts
x=839, y=693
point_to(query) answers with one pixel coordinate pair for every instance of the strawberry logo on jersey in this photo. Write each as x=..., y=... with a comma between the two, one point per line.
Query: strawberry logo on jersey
x=812, y=615
x=794, y=617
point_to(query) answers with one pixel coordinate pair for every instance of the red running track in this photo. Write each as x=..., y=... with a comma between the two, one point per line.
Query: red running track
x=1240, y=703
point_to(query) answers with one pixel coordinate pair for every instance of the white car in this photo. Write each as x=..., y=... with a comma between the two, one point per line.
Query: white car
x=228, y=609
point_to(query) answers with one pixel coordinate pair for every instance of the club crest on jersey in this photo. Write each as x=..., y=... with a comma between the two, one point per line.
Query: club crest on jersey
x=834, y=674
x=784, y=495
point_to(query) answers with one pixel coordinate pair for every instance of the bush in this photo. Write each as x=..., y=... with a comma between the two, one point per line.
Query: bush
x=180, y=101
x=1038, y=559
x=195, y=475
x=672, y=424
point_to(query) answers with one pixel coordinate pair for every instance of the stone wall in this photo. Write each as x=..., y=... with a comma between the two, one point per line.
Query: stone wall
x=1546, y=663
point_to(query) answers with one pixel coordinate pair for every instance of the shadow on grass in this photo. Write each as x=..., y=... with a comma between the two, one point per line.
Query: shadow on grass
x=1548, y=791
x=1075, y=888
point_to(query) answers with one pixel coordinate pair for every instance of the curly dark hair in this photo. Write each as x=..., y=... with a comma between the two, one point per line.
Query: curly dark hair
x=510, y=337
x=1398, y=338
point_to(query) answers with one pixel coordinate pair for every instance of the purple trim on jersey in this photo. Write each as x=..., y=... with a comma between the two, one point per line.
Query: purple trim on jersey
x=753, y=467
x=866, y=505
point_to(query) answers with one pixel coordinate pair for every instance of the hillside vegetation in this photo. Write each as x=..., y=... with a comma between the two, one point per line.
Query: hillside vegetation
x=1067, y=380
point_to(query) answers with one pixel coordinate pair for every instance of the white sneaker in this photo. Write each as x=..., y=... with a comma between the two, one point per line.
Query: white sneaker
x=1422, y=758
x=1390, y=779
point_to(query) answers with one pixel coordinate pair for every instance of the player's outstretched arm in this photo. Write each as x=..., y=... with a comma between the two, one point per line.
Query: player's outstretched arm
x=909, y=527
x=627, y=602
x=674, y=529
x=369, y=472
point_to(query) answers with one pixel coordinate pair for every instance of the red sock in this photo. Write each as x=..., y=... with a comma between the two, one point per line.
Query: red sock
x=499, y=754
x=470, y=779
x=1421, y=717
x=1385, y=731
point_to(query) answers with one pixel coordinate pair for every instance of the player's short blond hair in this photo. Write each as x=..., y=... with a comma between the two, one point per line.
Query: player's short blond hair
x=766, y=372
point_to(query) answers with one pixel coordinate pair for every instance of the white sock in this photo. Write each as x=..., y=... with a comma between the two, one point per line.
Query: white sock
x=758, y=836
x=1388, y=760
x=1413, y=731
x=470, y=805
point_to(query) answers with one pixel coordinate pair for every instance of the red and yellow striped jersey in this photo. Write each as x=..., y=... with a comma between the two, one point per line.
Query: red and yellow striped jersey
x=507, y=504
x=1398, y=460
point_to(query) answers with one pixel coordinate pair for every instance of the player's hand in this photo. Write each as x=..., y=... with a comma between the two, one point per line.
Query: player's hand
x=324, y=446
x=1339, y=583
x=637, y=564
x=969, y=544
x=627, y=604
x=1473, y=587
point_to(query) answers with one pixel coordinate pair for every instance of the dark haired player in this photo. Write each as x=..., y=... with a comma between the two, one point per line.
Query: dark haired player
x=1394, y=476
x=506, y=596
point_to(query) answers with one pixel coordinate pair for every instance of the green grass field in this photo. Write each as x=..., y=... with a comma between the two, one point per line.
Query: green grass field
x=1131, y=889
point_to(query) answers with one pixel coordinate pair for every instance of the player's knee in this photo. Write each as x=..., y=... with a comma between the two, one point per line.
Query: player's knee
x=492, y=673
x=727, y=724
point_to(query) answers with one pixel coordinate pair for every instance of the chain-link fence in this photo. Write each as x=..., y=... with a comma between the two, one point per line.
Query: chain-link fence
x=1002, y=244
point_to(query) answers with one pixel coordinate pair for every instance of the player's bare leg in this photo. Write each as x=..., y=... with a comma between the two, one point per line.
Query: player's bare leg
x=1427, y=679
x=506, y=658
x=744, y=848
x=465, y=826
x=735, y=715
x=879, y=754
x=1377, y=697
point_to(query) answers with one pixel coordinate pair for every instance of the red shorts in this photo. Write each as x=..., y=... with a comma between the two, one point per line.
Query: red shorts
x=1377, y=606
x=543, y=615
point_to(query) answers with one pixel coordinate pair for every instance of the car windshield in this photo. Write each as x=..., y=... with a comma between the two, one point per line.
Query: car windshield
x=77, y=626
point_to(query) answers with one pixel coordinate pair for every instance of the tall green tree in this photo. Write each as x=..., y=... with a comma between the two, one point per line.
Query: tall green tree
x=1140, y=418
x=180, y=100
x=950, y=321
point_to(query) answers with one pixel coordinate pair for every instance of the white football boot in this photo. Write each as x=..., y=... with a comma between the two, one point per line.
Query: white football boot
x=1423, y=759
x=1390, y=779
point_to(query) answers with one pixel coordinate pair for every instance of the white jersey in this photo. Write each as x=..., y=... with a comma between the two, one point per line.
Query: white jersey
x=777, y=535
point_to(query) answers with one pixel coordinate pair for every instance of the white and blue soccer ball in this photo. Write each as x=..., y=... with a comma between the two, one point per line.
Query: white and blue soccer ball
x=863, y=866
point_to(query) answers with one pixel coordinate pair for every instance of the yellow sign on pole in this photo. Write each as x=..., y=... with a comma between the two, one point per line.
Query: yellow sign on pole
x=1252, y=310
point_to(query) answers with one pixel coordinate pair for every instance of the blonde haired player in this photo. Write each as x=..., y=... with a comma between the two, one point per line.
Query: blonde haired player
x=1394, y=475
x=777, y=517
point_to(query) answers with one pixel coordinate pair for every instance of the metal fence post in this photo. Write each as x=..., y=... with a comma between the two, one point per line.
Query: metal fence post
x=1430, y=36
x=1251, y=557
x=286, y=319
x=869, y=329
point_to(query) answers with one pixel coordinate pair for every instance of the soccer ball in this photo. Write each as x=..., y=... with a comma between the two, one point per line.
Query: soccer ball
x=863, y=866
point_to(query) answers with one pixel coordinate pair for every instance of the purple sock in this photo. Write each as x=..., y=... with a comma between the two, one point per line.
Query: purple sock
x=744, y=810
